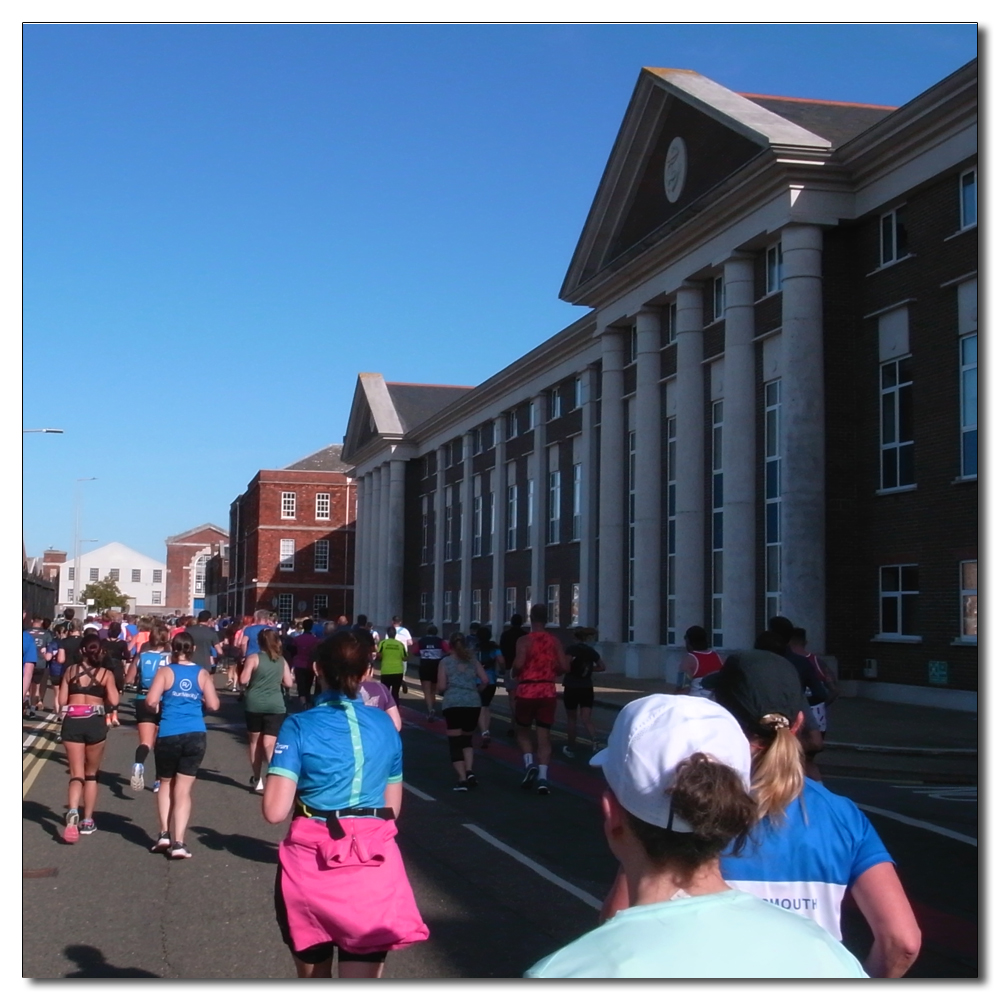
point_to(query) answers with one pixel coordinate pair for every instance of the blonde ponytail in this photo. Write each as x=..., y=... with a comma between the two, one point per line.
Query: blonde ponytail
x=778, y=776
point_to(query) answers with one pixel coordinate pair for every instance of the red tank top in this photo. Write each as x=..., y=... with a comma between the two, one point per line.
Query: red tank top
x=537, y=677
x=708, y=662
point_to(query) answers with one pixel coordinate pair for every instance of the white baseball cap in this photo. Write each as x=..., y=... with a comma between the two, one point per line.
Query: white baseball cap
x=652, y=736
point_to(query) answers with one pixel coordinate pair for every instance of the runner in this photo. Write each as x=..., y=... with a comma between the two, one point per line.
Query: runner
x=539, y=660
x=797, y=643
x=231, y=654
x=508, y=649
x=461, y=678
x=262, y=677
x=376, y=695
x=578, y=687
x=248, y=641
x=303, y=646
x=89, y=696
x=116, y=650
x=57, y=661
x=678, y=772
x=41, y=635
x=207, y=642
x=432, y=648
x=182, y=686
x=140, y=674
x=340, y=766
x=701, y=661
x=488, y=654
x=391, y=654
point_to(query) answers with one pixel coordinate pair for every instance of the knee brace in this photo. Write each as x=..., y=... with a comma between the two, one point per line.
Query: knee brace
x=89, y=777
x=71, y=780
x=455, y=746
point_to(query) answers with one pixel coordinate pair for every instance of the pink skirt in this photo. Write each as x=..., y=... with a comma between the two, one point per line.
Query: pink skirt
x=352, y=891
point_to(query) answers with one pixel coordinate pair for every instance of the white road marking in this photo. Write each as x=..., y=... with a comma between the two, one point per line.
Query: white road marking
x=909, y=821
x=947, y=793
x=419, y=794
x=535, y=867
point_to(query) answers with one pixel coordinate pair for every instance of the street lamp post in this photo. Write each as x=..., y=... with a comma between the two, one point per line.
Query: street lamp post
x=77, y=503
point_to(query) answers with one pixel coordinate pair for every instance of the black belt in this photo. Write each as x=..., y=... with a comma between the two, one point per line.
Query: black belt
x=332, y=816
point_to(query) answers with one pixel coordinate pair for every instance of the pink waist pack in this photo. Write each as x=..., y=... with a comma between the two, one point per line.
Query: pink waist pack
x=352, y=891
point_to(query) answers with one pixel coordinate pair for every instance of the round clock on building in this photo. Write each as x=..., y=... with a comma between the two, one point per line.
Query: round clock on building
x=675, y=169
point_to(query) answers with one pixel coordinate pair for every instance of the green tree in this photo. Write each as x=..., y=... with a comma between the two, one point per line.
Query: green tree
x=105, y=594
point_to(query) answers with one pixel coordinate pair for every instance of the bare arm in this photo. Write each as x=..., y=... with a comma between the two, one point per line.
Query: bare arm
x=279, y=796
x=562, y=667
x=286, y=675
x=394, y=797
x=481, y=677
x=393, y=712
x=132, y=669
x=600, y=666
x=110, y=691
x=248, y=668
x=159, y=685
x=881, y=898
x=518, y=656
x=442, y=684
x=208, y=692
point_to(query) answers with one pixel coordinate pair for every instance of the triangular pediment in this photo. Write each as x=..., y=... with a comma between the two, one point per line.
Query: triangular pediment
x=682, y=136
x=373, y=415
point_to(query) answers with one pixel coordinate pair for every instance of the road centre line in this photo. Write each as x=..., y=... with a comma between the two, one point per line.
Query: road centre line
x=921, y=824
x=535, y=867
x=419, y=794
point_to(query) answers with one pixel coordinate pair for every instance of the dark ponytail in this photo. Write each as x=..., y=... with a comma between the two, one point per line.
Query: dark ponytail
x=343, y=660
x=711, y=798
x=181, y=645
x=92, y=650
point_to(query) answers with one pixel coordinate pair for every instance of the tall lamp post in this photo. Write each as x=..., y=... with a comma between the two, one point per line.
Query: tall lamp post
x=77, y=502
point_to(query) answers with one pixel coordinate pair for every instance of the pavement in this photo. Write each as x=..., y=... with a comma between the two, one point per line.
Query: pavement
x=865, y=738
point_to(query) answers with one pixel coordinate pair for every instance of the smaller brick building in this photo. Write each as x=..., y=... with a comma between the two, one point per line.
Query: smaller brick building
x=187, y=558
x=291, y=538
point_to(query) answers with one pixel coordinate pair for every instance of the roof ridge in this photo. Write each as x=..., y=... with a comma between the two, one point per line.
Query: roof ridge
x=818, y=100
x=433, y=385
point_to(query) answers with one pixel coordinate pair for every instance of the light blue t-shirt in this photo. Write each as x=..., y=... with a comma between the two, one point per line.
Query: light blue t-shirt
x=806, y=863
x=341, y=754
x=724, y=935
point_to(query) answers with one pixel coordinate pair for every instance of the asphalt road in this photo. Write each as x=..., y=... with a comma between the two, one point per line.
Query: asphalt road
x=502, y=877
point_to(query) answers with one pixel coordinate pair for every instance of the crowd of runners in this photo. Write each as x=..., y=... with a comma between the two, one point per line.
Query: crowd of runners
x=714, y=806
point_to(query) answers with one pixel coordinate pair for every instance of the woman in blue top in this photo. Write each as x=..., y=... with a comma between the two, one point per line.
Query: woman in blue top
x=340, y=878
x=180, y=687
x=141, y=672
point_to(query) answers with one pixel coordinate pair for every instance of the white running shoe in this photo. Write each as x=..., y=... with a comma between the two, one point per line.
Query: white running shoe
x=138, y=782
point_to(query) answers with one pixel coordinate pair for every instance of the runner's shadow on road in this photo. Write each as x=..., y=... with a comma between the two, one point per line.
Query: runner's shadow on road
x=250, y=848
x=123, y=827
x=93, y=965
x=49, y=821
x=208, y=774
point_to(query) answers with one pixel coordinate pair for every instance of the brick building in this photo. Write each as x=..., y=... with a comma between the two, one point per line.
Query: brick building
x=187, y=558
x=770, y=408
x=291, y=540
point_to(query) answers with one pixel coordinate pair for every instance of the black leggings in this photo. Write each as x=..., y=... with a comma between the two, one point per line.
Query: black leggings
x=393, y=682
x=466, y=720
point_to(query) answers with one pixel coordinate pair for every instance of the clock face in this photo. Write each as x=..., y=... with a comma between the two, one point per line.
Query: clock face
x=675, y=169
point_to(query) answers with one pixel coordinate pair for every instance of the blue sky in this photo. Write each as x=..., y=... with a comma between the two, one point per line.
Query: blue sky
x=224, y=224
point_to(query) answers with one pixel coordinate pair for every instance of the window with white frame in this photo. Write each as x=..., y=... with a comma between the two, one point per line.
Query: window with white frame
x=94, y=574
x=321, y=555
x=477, y=526
x=772, y=499
x=967, y=199
x=773, y=269
x=969, y=375
x=531, y=508
x=449, y=529
x=552, y=603
x=490, y=519
x=671, y=434
x=322, y=506
x=510, y=603
x=555, y=507
x=425, y=530
x=512, y=517
x=449, y=606
x=555, y=403
x=969, y=586
x=717, y=525
x=69, y=594
x=899, y=588
x=670, y=323
x=527, y=603
x=157, y=576
x=157, y=597
x=718, y=297
x=574, y=605
x=577, y=393
x=477, y=440
x=631, y=344
x=510, y=424
x=115, y=574
x=137, y=576
x=894, y=243
x=286, y=603
x=200, y=568
x=286, y=554
x=457, y=504
x=320, y=603
x=426, y=607
x=897, y=424
x=477, y=606
x=577, y=522
x=288, y=506
x=630, y=514
x=72, y=574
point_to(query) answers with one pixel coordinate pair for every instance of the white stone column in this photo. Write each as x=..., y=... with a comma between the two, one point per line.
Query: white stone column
x=499, y=539
x=394, y=567
x=611, y=552
x=739, y=563
x=648, y=430
x=439, y=500
x=803, y=479
x=588, y=489
x=465, y=599
x=360, y=529
x=689, y=526
x=537, y=470
x=381, y=599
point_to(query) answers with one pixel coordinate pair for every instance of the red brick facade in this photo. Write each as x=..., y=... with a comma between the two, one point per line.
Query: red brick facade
x=185, y=585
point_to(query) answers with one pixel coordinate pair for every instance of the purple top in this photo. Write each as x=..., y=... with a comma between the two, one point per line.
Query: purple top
x=376, y=695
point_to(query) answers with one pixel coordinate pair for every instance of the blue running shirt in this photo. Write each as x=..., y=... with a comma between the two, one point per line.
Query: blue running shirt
x=181, y=704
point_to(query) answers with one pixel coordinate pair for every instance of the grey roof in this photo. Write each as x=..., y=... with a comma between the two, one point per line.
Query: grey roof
x=325, y=460
x=833, y=120
x=192, y=531
x=416, y=403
